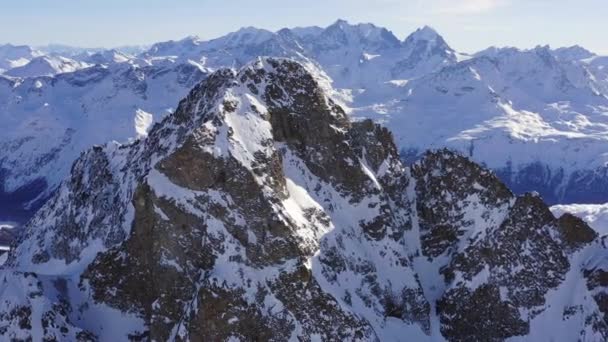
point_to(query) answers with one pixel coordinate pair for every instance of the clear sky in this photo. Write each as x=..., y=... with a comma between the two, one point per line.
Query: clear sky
x=467, y=25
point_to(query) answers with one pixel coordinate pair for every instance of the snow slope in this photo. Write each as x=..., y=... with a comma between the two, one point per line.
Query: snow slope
x=12, y=56
x=540, y=123
x=46, y=66
x=106, y=57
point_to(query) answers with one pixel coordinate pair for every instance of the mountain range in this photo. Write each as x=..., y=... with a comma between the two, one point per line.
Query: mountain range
x=258, y=210
x=537, y=117
x=308, y=184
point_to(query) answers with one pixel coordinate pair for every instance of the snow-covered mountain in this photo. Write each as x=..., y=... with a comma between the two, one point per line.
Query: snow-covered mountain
x=46, y=66
x=572, y=53
x=541, y=123
x=232, y=50
x=75, y=51
x=55, y=59
x=259, y=211
x=538, y=107
x=597, y=65
x=66, y=50
x=48, y=122
x=106, y=57
x=365, y=56
x=537, y=117
x=12, y=56
x=354, y=56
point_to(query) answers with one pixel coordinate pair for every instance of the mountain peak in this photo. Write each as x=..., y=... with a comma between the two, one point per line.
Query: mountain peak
x=244, y=36
x=572, y=53
x=494, y=51
x=108, y=56
x=425, y=50
x=341, y=23
x=363, y=29
x=16, y=55
x=233, y=171
x=425, y=33
x=46, y=66
x=343, y=33
x=429, y=37
x=191, y=38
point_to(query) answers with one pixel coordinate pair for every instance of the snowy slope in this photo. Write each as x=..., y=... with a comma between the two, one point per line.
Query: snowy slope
x=46, y=66
x=49, y=121
x=106, y=57
x=540, y=123
x=257, y=210
x=12, y=56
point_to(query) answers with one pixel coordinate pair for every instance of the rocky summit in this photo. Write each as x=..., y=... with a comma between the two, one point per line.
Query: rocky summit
x=258, y=211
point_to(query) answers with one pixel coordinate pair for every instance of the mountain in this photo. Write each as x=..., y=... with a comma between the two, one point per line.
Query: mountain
x=46, y=66
x=536, y=117
x=353, y=55
x=535, y=120
x=307, y=33
x=74, y=51
x=12, y=56
x=426, y=52
x=259, y=211
x=107, y=57
x=572, y=53
x=364, y=56
x=232, y=50
x=342, y=34
x=173, y=48
x=49, y=121
x=66, y=50
x=596, y=65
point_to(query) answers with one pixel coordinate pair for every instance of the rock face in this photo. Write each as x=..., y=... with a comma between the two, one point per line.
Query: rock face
x=258, y=211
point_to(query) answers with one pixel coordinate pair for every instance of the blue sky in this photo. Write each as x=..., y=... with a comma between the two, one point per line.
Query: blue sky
x=467, y=25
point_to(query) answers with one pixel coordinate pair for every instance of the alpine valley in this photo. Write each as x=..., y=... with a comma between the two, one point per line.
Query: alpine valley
x=309, y=184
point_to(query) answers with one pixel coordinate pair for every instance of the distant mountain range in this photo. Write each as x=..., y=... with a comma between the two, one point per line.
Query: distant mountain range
x=538, y=118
